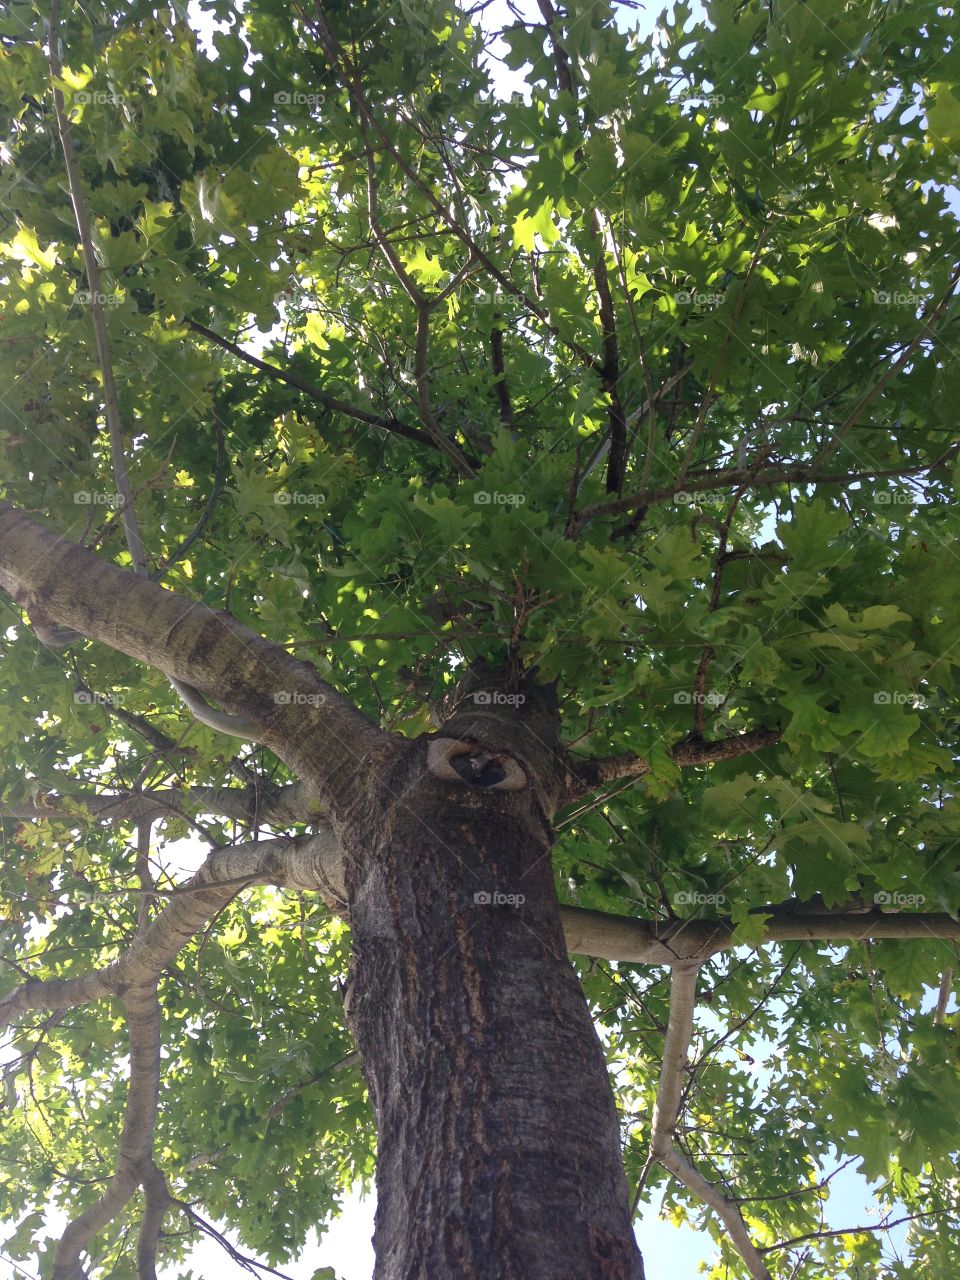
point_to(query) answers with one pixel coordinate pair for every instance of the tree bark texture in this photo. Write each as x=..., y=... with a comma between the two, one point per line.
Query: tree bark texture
x=499, y=1143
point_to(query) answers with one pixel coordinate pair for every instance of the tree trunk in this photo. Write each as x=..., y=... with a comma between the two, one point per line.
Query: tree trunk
x=499, y=1146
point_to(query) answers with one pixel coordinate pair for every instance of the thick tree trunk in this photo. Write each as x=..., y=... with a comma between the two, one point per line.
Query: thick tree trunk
x=499, y=1147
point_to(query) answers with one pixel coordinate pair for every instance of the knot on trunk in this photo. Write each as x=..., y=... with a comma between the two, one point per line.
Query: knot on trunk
x=468, y=762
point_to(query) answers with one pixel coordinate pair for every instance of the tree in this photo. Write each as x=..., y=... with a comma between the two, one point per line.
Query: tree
x=491, y=482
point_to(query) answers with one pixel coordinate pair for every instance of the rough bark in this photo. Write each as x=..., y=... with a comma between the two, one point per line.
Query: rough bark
x=499, y=1145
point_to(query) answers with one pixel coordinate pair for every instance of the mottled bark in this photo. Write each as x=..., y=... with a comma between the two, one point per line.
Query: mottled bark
x=499, y=1146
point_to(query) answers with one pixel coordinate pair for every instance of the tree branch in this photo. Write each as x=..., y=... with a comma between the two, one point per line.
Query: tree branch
x=672, y=942
x=135, y=1152
x=736, y=477
x=588, y=775
x=278, y=806
x=313, y=728
x=663, y=1149
x=308, y=862
x=385, y=421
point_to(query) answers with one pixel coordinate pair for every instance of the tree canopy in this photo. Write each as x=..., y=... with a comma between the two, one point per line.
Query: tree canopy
x=444, y=334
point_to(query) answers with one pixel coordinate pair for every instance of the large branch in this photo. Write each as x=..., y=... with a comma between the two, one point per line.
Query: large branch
x=312, y=727
x=636, y=941
x=315, y=863
x=308, y=862
x=277, y=806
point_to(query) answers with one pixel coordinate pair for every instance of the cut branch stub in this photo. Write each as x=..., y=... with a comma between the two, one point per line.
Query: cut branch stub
x=508, y=718
x=469, y=762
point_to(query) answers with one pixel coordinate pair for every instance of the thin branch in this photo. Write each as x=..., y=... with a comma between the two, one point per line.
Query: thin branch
x=646, y=409
x=852, y=1231
x=588, y=774
x=943, y=999
x=421, y=374
x=663, y=1150
x=735, y=477
x=95, y=287
x=609, y=366
x=238, y=726
x=423, y=306
x=218, y=477
x=135, y=1151
x=501, y=390
x=385, y=421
